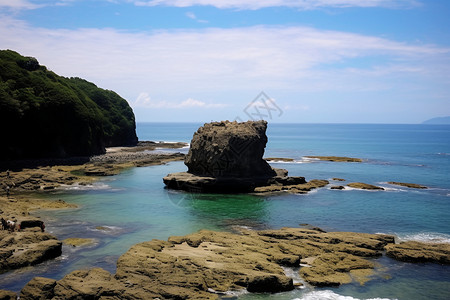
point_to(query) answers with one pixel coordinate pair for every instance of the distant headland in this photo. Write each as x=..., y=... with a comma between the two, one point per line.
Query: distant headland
x=437, y=121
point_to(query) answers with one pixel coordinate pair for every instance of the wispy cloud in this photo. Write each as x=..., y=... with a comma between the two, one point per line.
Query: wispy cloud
x=300, y=4
x=18, y=4
x=192, y=16
x=145, y=101
x=222, y=64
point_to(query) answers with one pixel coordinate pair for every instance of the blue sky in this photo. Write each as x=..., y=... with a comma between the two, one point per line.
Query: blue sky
x=319, y=61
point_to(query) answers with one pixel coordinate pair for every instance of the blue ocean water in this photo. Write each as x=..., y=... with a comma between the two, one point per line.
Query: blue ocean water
x=134, y=206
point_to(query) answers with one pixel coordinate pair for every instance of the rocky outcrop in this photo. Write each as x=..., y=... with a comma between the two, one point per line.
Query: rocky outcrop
x=7, y=295
x=419, y=252
x=297, y=188
x=205, y=264
x=364, y=186
x=20, y=249
x=227, y=157
x=208, y=264
x=229, y=149
x=409, y=185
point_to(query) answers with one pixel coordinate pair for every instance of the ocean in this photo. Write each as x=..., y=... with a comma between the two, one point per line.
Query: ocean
x=134, y=206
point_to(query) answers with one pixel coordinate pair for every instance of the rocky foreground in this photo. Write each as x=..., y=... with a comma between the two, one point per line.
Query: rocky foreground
x=31, y=246
x=207, y=264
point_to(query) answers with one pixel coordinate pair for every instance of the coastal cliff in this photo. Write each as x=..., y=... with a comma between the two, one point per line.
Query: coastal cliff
x=44, y=115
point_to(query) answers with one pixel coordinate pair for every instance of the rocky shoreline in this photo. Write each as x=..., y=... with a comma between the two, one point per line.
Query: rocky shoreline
x=22, y=246
x=202, y=265
x=208, y=265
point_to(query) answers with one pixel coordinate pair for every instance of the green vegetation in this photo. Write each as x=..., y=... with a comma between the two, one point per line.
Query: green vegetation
x=46, y=115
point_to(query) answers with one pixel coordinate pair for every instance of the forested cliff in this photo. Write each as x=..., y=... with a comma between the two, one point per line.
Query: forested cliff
x=44, y=115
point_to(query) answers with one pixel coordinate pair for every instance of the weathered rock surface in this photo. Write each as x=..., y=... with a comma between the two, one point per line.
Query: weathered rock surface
x=229, y=149
x=227, y=157
x=337, y=187
x=297, y=188
x=206, y=264
x=20, y=249
x=364, y=186
x=409, y=185
x=7, y=295
x=419, y=252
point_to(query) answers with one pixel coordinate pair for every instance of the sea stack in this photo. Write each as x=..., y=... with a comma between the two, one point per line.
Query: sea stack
x=226, y=157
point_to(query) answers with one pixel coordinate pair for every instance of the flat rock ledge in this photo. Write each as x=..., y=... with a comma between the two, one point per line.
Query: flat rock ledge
x=408, y=185
x=412, y=251
x=21, y=249
x=336, y=158
x=207, y=265
x=207, y=184
x=364, y=186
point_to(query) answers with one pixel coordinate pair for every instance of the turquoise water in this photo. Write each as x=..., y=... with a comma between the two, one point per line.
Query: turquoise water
x=135, y=207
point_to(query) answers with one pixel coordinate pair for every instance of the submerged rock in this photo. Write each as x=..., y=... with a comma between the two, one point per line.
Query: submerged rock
x=227, y=157
x=78, y=242
x=409, y=185
x=336, y=158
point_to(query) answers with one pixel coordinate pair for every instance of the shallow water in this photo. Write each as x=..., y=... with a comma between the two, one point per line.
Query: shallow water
x=134, y=206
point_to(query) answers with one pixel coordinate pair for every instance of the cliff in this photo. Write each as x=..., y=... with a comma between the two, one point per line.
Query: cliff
x=44, y=115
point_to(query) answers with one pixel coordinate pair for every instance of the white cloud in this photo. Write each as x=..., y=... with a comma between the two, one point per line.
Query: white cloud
x=192, y=16
x=300, y=4
x=230, y=66
x=144, y=100
x=18, y=4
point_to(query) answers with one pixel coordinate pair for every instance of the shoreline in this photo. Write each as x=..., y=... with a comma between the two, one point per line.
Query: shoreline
x=21, y=192
x=106, y=165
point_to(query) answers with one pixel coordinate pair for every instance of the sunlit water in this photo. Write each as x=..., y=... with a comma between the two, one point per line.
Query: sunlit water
x=134, y=206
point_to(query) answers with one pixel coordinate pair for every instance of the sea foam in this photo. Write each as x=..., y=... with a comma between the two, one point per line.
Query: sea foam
x=330, y=295
x=425, y=237
x=86, y=187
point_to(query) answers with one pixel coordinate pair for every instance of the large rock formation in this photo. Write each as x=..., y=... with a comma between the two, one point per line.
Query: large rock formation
x=229, y=149
x=228, y=157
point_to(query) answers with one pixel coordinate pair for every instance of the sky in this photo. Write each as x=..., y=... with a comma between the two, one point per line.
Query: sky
x=286, y=61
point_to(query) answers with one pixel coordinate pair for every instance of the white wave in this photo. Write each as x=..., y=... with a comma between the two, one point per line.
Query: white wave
x=330, y=295
x=349, y=188
x=295, y=275
x=425, y=237
x=392, y=189
x=302, y=160
x=86, y=187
